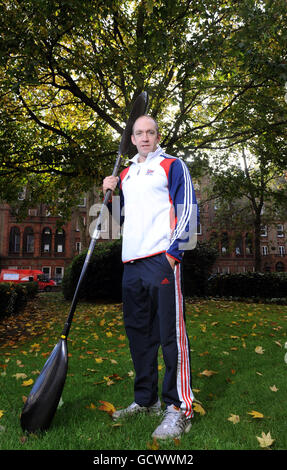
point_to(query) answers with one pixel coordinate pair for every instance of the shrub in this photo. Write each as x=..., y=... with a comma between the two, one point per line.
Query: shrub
x=32, y=289
x=5, y=295
x=197, y=266
x=13, y=297
x=248, y=285
x=103, y=279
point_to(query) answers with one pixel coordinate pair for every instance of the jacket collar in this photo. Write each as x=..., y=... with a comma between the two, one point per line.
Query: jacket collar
x=150, y=155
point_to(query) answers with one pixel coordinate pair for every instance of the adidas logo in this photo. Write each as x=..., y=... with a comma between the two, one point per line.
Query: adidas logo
x=165, y=281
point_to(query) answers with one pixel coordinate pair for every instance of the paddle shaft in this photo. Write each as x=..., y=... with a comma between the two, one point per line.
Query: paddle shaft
x=91, y=248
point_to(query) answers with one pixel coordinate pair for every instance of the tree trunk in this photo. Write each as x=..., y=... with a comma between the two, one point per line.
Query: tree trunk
x=257, y=234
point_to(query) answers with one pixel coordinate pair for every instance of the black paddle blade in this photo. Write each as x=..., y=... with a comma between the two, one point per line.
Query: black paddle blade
x=45, y=395
x=138, y=109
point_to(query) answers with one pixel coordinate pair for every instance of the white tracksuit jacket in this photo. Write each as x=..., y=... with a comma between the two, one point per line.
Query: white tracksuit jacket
x=158, y=202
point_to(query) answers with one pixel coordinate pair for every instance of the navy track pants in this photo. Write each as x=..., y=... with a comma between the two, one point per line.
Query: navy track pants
x=154, y=316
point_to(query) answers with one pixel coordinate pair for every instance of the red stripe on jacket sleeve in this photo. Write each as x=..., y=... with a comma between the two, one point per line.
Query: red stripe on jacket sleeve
x=166, y=164
x=123, y=175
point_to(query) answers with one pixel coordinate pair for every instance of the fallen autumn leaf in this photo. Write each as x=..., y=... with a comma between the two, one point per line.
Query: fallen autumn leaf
x=255, y=414
x=26, y=383
x=91, y=406
x=20, y=376
x=208, y=373
x=233, y=418
x=107, y=407
x=266, y=440
x=198, y=409
x=154, y=445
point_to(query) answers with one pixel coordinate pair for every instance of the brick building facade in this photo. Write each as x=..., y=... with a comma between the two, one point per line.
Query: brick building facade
x=39, y=242
x=236, y=251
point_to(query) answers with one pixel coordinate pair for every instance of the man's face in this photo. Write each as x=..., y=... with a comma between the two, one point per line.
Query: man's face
x=145, y=136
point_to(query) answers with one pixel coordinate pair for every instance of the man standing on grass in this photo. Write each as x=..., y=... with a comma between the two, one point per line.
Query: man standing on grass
x=158, y=199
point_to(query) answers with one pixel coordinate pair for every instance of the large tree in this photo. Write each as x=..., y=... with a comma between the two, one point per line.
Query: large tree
x=249, y=194
x=70, y=69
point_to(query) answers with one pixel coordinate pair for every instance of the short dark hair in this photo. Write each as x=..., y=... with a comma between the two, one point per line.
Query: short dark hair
x=150, y=117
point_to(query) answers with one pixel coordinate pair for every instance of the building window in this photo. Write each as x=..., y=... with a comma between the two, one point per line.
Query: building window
x=60, y=241
x=28, y=240
x=59, y=273
x=264, y=250
x=224, y=244
x=32, y=212
x=264, y=231
x=248, y=244
x=46, y=242
x=14, y=240
x=82, y=202
x=225, y=270
x=281, y=249
x=280, y=230
x=22, y=195
x=80, y=223
x=47, y=271
x=238, y=246
x=78, y=247
x=280, y=268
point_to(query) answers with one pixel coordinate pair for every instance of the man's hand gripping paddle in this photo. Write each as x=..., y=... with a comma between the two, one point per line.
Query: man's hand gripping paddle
x=42, y=402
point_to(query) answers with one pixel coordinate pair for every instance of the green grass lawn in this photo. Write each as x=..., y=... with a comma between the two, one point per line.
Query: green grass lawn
x=237, y=364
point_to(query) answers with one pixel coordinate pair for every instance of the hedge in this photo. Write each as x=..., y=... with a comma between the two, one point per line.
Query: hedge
x=104, y=274
x=197, y=266
x=14, y=297
x=249, y=285
x=103, y=277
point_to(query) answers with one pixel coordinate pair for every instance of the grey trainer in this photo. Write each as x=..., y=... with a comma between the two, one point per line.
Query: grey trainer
x=134, y=408
x=173, y=425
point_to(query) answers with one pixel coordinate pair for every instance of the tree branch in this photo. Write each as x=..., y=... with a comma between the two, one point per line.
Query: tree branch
x=76, y=91
x=43, y=124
